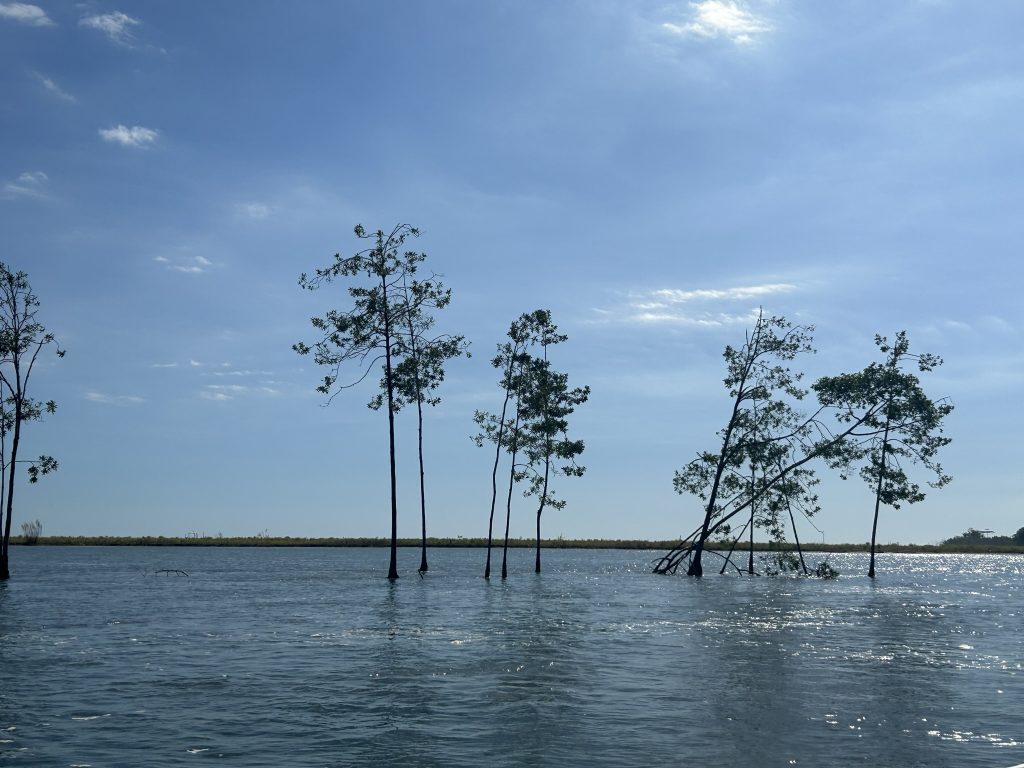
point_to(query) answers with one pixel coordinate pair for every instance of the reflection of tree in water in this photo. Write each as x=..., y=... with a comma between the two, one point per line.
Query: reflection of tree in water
x=456, y=675
x=758, y=703
x=796, y=679
x=533, y=702
x=895, y=678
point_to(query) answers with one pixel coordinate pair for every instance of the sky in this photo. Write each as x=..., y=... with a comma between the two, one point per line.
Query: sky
x=651, y=172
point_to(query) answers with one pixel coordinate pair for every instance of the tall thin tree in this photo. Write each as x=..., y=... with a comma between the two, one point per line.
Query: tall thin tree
x=368, y=334
x=22, y=340
x=422, y=367
x=900, y=425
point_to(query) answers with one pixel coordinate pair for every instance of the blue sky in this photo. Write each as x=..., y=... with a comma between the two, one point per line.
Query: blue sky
x=651, y=172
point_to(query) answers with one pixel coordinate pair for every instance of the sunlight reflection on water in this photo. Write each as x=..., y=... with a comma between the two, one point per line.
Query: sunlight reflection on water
x=309, y=657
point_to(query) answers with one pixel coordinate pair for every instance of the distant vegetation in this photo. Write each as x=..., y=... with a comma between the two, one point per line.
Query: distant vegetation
x=974, y=539
x=995, y=544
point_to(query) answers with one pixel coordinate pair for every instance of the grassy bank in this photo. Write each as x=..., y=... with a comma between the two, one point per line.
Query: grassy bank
x=292, y=541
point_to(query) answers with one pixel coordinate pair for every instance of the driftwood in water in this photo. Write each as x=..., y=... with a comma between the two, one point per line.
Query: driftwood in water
x=170, y=572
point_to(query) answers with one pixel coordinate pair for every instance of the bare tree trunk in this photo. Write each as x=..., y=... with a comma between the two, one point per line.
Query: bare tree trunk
x=750, y=553
x=494, y=481
x=423, y=493
x=540, y=509
x=796, y=537
x=750, y=557
x=511, y=485
x=878, y=500
x=393, y=566
x=728, y=558
x=5, y=568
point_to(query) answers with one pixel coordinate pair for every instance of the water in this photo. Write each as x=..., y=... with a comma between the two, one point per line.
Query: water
x=309, y=657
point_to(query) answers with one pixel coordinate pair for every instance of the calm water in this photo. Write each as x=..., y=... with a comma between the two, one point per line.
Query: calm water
x=308, y=657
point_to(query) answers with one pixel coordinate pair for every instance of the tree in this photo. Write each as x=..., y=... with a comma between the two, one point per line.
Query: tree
x=549, y=403
x=898, y=425
x=869, y=408
x=421, y=369
x=1018, y=537
x=369, y=333
x=764, y=429
x=22, y=339
x=505, y=431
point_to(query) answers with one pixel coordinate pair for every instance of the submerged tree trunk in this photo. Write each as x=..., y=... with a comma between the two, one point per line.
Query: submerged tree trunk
x=423, y=493
x=544, y=490
x=511, y=485
x=878, y=499
x=732, y=549
x=796, y=537
x=494, y=481
x=5, y=568
x=750, y=552
x=389, y=374
x=750, y=556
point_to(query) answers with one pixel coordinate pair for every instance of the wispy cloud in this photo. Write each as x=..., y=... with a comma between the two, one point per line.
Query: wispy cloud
x=721, y=19
x=164, y=365
x=53, y=88
x=238, y=372
x=25, y=13
x=689, y=308
x=117, y=26
x=221, y=391
x=192, y=265
x=135, y=136
x=29, y=184
x=253, y=210
x=105, y=399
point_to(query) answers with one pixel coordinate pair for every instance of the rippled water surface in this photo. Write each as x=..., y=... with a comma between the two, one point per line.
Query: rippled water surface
x=309, y=657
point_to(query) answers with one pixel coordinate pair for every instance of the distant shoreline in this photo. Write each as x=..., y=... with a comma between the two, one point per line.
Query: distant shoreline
x=459, y=542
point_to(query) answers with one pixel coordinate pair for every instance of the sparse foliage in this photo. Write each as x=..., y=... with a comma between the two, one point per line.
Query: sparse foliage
x=22, y=340
x=421, y=369
x=898, y=425
x=764, y=430
x=370, y=332
x=530, y=388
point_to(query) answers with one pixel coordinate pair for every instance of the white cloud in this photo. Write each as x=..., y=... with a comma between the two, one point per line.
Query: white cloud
x=26, y=13
x=99, y=397
x=193, y=265
x=673, y=306
x=164, y=365
x=117, y=25
x=136, y=136
x=691, y=319
x=241, y=373
x=728, y=294
x=53, y=88
x=721, y=18
x=222, y=392
x=253, y=210
x=216, y=396
x=29, y=184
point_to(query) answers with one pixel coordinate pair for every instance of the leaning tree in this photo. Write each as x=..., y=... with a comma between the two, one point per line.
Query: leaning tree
x=764, y=429
x=22, y=340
